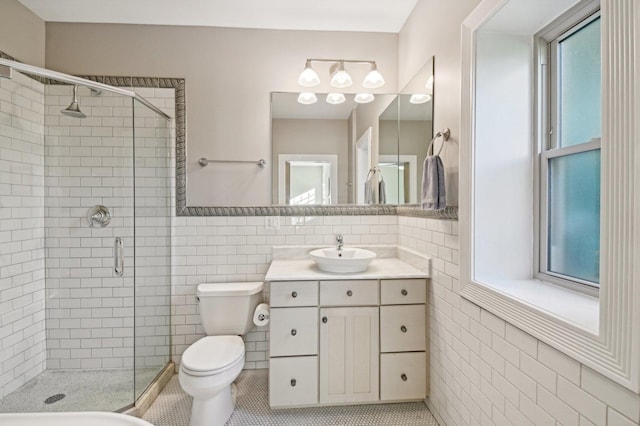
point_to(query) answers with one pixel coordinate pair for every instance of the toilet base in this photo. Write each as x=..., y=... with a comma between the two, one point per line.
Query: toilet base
x=213, y=411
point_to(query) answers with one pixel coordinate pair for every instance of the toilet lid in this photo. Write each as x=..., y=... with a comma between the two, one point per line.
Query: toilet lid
x=213, y=353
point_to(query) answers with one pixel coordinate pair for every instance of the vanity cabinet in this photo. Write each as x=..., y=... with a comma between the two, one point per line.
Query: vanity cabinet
x=347, y=341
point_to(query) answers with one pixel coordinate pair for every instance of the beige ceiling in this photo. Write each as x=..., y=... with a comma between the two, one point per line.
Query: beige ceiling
x=323, y=15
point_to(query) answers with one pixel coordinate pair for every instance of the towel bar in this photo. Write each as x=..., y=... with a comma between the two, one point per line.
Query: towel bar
x=205, y=162
x=445, y=137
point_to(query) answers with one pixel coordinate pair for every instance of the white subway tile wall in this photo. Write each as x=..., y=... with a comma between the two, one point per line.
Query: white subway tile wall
x=236, y=249
x=90, y=161
x=22, y=265
x=485, y=371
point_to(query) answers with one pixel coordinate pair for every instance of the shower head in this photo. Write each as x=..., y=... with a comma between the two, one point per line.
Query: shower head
x=73, y=110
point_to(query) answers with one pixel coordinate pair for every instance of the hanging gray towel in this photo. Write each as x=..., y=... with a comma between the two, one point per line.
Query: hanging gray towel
x=382, y=191
x=433, y=189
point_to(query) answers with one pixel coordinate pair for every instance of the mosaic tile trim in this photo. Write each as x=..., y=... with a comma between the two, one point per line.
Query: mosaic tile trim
x=450, y=213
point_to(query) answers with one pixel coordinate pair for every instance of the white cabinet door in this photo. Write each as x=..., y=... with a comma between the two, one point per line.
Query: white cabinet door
x=403, y=376
x=293, y=331
x=349, y=355
x=293, y=381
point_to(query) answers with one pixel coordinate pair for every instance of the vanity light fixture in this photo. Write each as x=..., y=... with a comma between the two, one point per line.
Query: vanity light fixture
x=419, y=98
x=335, y=98
x=307, y=98
x=308, y=77
x=339, y=77
x=364, y=98
x=373, y=79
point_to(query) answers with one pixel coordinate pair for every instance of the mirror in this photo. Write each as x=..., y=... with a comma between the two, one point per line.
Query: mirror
x=323, y=153
x=351, y=153
x=406, y=128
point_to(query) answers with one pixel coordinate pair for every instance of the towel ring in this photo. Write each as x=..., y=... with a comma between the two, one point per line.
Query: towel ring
x=445, y=137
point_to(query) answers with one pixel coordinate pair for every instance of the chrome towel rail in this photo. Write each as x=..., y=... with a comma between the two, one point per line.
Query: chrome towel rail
x=205, y=162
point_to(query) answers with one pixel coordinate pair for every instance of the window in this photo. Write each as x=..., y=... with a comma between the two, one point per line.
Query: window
x=570, y=153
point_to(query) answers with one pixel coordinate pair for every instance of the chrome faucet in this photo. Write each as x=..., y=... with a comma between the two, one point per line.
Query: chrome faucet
x=339, y=240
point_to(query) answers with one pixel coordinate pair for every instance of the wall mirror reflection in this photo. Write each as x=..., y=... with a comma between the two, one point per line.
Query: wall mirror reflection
x=406, y=128
x=352, y=153
x=324, y=153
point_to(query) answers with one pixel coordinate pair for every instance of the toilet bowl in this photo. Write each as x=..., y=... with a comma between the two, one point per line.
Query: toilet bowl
x=208, y=368
x=210, y=365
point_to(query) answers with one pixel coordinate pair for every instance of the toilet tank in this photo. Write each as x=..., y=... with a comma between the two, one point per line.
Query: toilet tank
x=227, y=308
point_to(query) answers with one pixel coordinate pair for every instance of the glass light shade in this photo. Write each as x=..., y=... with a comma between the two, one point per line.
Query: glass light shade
x=335, y=98
x=308, y=77
x=340, y=78
x=306, y=98
x=364, y=98
x=429, y=85
x=419, y=98
x=373, y=79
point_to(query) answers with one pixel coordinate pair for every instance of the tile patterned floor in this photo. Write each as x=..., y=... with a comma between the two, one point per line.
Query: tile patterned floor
x=173, y=406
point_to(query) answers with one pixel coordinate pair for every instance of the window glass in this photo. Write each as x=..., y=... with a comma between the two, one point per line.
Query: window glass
x=574, y=215
x=580, y=85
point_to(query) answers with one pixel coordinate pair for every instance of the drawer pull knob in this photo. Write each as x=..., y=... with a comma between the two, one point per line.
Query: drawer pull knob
x=294, y=294
x=349, y=293
x=293, y=382
x=293, y=332
x=325, y=319
x=404, y=292
x=403, y=377
x=403, y=329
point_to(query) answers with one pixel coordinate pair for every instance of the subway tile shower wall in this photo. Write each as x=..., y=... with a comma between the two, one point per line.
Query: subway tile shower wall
x=22, y=264
x=485, y=371
x=90, y=312
x=228, y=249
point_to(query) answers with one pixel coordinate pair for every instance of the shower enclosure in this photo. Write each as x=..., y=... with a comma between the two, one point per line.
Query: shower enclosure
x=85, y=241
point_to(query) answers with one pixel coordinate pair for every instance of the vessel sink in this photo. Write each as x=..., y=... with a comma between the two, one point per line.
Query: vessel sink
x=345, y=261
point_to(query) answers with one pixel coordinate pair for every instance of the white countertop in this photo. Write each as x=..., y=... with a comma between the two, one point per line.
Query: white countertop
x=306, y=269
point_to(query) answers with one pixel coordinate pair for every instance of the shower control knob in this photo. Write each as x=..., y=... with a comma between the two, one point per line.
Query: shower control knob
x=324, y=320
x=403, y=377
x=403, y=329
x=294, y=332
x=293, y=382
x=404, y=292
x=349, y=293
x=294, y=294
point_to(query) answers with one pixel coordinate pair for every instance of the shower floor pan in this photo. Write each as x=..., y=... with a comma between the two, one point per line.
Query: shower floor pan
x=83, y=390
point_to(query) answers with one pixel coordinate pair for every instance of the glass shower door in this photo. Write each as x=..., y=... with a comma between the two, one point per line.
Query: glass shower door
x=153, y=200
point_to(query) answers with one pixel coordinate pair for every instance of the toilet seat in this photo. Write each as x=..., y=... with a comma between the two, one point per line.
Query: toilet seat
x=212, y=355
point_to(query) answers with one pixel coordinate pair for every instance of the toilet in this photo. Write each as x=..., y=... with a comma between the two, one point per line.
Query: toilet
x=210, y=365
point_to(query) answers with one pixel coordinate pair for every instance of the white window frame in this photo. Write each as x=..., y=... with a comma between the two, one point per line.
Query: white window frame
x=547, y=118
x=613, y=347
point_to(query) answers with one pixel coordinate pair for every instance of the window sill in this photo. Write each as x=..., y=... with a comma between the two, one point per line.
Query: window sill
x=556, y=303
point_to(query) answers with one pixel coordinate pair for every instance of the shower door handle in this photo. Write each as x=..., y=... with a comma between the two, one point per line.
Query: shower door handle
x=118, y=257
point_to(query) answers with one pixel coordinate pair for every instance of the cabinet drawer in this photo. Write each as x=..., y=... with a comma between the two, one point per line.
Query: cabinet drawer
x=293, y=331
x=293, y=381
x=294, y=293
x=402, y=328
x=398, y=292
x=349, y=293
x=403, y=376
